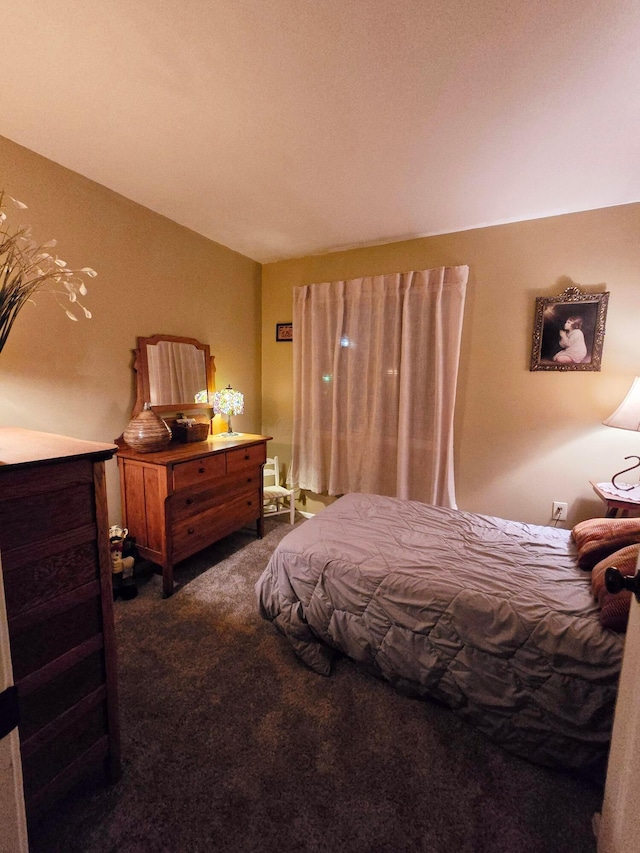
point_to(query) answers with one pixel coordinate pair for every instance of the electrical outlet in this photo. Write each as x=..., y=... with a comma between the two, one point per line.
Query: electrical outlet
x=559, y=511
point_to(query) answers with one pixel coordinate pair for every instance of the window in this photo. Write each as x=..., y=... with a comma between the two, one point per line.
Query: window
x=375, y=369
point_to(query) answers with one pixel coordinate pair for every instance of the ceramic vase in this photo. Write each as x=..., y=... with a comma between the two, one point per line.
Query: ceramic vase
x=147, y=432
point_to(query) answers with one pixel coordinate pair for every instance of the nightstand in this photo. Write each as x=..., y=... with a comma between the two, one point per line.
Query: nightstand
x=617, y=506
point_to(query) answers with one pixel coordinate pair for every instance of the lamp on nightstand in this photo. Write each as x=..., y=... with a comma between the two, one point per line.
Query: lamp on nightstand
x=228, y=402
x=627, y=416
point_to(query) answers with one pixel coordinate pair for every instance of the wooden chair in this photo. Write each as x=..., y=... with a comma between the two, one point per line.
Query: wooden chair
x=277, y=499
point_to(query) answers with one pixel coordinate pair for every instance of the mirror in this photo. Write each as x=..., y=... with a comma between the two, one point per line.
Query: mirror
x=174, y=374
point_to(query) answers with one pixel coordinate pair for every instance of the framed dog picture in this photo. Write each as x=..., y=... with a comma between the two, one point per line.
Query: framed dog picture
x=568, y=331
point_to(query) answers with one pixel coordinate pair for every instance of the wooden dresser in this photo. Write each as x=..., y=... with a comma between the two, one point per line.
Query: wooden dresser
x=54, y=542
x=177, y=501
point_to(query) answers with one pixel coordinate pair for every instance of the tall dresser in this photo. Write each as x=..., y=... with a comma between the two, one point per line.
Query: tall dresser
x=57, y=580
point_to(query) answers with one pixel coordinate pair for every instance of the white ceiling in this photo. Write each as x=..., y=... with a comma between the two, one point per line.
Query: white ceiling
x=282, y=128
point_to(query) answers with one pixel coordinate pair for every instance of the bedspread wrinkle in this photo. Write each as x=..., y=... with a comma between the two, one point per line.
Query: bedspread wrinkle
x=492, y=617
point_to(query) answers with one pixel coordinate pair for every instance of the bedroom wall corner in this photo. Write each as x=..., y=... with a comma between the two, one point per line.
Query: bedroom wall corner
x=154, y=277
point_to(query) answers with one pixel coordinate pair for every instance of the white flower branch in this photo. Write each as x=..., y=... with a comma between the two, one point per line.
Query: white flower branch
x=27, y=267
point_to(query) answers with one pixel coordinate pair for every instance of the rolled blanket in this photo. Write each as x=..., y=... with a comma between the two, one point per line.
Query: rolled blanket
x=597, y=538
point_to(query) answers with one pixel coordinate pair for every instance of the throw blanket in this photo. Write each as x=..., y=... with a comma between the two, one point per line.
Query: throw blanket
x=492, y=617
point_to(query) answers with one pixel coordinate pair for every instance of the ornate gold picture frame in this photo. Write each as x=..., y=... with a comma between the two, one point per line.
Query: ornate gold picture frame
x=568, y=331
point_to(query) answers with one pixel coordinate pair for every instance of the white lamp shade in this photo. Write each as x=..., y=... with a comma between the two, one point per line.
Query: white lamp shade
x=627, y=415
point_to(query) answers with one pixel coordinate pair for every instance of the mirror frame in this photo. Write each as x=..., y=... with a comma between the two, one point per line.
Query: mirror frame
x=141, y=368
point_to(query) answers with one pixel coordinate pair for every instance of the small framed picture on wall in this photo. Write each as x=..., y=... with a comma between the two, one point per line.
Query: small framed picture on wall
x=568, y=332
x=284, y=331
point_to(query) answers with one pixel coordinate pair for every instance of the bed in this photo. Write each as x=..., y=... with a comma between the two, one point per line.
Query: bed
x=492, y=617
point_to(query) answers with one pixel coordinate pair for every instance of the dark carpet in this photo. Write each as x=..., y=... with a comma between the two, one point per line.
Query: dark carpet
x=230, y=744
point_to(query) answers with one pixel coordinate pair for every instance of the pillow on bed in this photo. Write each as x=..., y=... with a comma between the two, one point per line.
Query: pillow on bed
x=614, y=607
x=596, y=538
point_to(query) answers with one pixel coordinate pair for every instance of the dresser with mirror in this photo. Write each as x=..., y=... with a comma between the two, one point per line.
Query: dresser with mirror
x=183, y=498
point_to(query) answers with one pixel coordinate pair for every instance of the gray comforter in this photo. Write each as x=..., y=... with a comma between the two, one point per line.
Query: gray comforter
x=491, y=617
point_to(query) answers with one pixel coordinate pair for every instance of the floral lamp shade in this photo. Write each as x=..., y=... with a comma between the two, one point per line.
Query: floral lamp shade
x=228, y=402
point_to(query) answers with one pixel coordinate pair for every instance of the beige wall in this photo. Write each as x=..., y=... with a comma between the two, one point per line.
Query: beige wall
x=523, y=439
x=154, y=277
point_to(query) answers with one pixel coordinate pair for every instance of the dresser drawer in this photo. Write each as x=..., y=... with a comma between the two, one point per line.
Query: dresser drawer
x=246, y=457
x=48, y=477
x=193, y=534
x=32, y=519
x=68, y=746
x=187, y=474
x=42, y=642
x=191, y=502
x=188, y=503
x=61, y=693
x=50, y=570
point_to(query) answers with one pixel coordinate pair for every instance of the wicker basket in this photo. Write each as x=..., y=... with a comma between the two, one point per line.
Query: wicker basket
x=195, y=432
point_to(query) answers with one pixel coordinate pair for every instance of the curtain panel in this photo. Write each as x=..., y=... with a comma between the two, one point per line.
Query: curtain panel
x=175, y=372
x=375, y=370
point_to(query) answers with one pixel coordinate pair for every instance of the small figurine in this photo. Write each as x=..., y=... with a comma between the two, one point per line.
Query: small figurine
x=121, y=565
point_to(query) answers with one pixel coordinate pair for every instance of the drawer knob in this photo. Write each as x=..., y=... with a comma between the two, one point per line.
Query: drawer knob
x=201, y=470
x=249, y=479
x=190, y=531
x=246, y=456
x=249, y=503
x=189, y=501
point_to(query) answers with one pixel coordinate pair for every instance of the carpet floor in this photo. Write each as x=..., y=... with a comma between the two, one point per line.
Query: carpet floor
x=230, y=745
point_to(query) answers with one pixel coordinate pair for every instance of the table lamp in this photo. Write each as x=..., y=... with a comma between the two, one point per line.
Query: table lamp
x=627, y=416
x=228, y=402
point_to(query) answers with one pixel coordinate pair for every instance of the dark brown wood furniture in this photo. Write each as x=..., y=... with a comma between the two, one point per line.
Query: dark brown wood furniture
x=56, y=565
x=177, y=501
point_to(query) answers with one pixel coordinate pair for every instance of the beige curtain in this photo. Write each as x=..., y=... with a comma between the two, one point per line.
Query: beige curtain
x=177, y=372
x=375, y=368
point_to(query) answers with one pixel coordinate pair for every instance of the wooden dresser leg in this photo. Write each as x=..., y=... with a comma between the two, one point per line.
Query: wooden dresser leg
x=167, y=581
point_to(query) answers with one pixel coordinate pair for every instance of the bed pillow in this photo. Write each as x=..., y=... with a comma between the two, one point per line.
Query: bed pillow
x=596, y=538
x=614, y=607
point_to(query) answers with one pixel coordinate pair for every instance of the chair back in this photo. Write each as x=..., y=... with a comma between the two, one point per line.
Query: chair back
x=271, y=471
